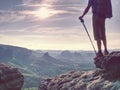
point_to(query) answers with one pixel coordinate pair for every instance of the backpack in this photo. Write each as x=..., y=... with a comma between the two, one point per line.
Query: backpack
x=104, y=8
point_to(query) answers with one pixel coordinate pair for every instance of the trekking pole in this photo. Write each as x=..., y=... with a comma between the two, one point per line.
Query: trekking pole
x=82, y=21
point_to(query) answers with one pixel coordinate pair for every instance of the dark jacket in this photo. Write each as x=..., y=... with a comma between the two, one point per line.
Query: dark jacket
x=102, y=8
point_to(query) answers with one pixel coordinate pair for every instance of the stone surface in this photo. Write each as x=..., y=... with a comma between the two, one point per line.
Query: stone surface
x=110, y=64
x=87, y=80
x=10, y=78
x=107, y=62
x=106, y=78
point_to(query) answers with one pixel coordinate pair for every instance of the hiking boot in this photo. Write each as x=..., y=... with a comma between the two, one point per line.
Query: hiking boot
x=99, y=54
x=106, y=52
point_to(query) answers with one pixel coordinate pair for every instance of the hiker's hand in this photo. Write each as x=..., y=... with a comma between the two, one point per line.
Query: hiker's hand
x=81, y=18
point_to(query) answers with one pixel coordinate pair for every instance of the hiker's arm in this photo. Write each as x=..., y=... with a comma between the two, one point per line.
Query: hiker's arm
x=85, y=11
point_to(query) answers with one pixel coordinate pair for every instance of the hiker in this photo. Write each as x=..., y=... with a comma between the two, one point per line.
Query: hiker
x=101, y=10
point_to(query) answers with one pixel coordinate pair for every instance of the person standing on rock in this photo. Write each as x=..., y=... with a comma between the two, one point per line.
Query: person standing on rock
x=101, y=10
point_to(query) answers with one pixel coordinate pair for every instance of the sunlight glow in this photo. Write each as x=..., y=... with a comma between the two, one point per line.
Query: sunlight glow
x=44, y=12
x=45, y=9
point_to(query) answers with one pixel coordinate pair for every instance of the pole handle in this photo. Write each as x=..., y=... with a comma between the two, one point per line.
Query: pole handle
x=81, y=19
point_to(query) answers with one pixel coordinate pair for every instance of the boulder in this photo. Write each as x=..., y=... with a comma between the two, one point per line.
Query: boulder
x=110, y=64
x=10, y=78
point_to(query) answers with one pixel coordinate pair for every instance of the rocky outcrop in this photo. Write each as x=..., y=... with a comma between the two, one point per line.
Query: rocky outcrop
x=110, y=64
x=10, y=78
x=107, y=78
x=87, y=80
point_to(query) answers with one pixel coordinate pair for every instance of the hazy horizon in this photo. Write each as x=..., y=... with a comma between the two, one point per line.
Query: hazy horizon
x=52, y=25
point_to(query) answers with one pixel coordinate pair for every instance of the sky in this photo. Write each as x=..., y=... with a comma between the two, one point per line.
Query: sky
x=52, y=24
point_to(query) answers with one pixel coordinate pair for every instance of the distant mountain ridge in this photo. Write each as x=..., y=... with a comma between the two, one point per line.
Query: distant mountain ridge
x=23, y=57
x=8, y=52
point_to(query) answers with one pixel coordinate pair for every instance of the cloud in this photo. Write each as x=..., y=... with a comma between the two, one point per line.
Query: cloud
x=38, y=2
x=32, y=10
x=57, y=14
x=31, y=2
x=43, y=12
x=53, y=6
x=10, y=16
